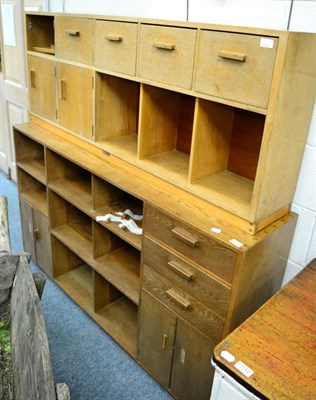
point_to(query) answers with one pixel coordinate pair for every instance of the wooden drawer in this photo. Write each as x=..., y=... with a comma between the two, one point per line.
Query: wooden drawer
x=115, y=46
x=183, y=304
x=74, y=38
x=186, y=276
x=235, y=66
x=194, y=245
x=167, y=55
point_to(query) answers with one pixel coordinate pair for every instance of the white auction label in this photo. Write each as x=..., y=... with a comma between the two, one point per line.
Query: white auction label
x=266, y=42
x=244, y=369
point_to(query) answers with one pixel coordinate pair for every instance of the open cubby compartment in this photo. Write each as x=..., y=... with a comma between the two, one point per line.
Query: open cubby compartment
x=115, y=313
x=69, y=180
x=165, y=132
x=40, y=33
x=109, y=199
x=226, y=143
x=117, y=104
x=30, y=156
x=117, y=261
x=73, y=275
x=33, y=191
x=71, y=226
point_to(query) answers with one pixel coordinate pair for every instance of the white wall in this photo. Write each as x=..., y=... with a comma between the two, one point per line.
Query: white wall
x=297, y=15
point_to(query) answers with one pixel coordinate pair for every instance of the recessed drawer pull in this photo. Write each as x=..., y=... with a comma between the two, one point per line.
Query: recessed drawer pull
x=63, y=91
x=72, y=33
x=231, y=55
x=183, y=303
x=32, y=79
x=114, y=38
x=180, y=270
x=164, y=46
x=185, y=236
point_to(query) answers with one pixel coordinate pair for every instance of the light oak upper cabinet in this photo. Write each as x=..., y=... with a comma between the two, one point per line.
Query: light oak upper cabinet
x=75, y=86
x=235, y=66
x=42, y=87
x=166, y=54
x=74, y=38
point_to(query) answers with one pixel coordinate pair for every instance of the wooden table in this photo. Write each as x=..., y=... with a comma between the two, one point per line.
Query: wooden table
x=277, y=344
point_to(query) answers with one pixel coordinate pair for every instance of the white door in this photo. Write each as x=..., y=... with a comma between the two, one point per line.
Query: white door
x=13, y=100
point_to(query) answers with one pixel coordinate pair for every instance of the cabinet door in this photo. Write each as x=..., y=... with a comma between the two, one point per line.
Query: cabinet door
x=192, y=373
x=42, y=241
x=75, y=99
x=156, y=339
x=36, y=235
x=42, y=87
x=27, y=227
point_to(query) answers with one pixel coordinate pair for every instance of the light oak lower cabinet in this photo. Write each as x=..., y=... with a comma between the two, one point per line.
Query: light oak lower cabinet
x=174, y=352
x=36, y=235
x=167, y=296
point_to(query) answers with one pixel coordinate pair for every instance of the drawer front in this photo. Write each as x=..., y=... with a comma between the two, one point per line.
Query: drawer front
x=186, y=276
x=235, y=66
x=74, y=37
x=115, y=46
x=183, y=304
x=167, y=55
x=199, y=248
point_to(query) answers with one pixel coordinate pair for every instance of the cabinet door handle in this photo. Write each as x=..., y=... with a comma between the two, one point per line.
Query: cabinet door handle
x=185, y=236
x=73, y=33
x=180, y=270
x=231, y=55
x=164, y=341
x=63, y=89
x=36, y=234
x=32, y=79
x=164, y=46
x=114, y=38
x=183, y=303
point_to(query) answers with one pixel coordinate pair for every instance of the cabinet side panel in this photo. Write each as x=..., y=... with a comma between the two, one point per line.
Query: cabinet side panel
x=287, y=125
x=260, y=273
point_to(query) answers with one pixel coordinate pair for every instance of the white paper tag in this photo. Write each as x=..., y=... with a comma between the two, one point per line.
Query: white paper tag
x=244, y=369
x=228, y=356
x=236, y=243
x=266, y=42
x=216, y=230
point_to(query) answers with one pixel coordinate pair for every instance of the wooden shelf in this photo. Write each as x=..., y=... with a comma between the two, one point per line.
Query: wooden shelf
x=74, y=192
x=76, y=242
x=34, y=167
x=121, y=268
x=119, y=320
x=46, y=50
x=77, y=283
x=122, y=146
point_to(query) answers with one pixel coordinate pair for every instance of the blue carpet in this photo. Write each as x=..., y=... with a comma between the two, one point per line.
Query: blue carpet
x=83, y=355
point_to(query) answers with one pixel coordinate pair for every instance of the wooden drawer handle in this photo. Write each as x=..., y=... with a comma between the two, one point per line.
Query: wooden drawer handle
x=232, y=55
x=185, y=236
x=180, y=270
x=164, y=341
x=36, y=234
x=164, y=46
x=183, y=303
x=73, y=33
x=113, y=38
x=63, y=90
x=32, y=79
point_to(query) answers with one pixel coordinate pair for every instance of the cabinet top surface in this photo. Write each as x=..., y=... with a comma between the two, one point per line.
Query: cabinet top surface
x=278, y=342
x=187, y=24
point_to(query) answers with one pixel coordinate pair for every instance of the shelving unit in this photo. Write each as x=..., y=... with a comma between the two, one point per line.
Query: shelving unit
x=186, y=125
